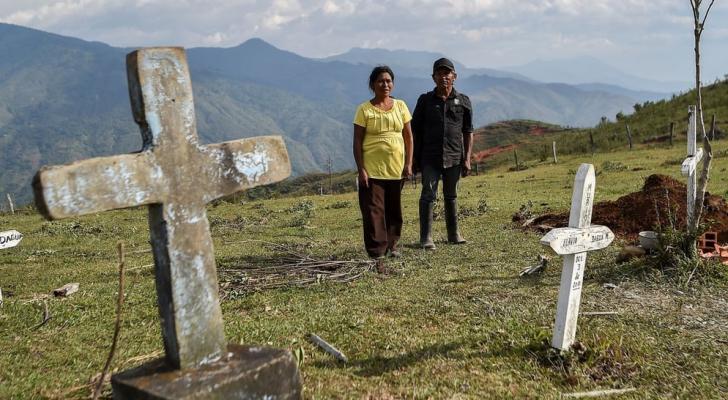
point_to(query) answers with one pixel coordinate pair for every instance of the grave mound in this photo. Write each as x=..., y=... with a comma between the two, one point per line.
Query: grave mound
x=661, y=200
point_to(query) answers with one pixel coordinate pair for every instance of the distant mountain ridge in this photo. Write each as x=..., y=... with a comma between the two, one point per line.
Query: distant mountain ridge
x=645, y=95
x=414, y=63
x=589, y=70
x=64, y=99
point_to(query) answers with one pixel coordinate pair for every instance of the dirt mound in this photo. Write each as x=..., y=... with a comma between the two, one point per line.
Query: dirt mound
x=661, y=200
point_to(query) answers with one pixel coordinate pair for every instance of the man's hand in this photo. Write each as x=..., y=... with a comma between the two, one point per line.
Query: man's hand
x=363, y=178
x=407, y=173
x=466, y=168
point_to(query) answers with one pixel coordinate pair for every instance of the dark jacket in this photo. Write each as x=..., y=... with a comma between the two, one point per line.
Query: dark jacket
x=438, y=128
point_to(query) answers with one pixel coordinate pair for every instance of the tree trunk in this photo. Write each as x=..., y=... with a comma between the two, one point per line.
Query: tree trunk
x=707, y=150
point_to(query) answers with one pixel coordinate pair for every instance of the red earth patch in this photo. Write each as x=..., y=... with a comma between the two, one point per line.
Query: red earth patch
x=483, y=154
x=661, y=200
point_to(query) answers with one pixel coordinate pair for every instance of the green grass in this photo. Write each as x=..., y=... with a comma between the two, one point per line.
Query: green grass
x=649, y=122
x=454, y=323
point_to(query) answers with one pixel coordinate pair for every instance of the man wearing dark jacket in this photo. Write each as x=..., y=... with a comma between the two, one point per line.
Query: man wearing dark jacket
x=442, y=125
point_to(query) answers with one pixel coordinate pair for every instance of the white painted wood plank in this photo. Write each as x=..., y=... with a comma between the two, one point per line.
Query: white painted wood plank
x=578, y=240
x=572, y=275
x=582, y=197
x=10, y=239
x=567, y=309
x=689, y=166
x=691, y=163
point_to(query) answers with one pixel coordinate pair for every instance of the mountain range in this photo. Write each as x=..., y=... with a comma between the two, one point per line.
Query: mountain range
x=590, y=70
x=63, y=99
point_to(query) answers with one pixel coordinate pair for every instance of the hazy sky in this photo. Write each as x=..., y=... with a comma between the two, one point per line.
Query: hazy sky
x=650, y=38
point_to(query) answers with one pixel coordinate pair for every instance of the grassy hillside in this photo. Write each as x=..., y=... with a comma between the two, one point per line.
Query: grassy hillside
x=454, y=323
x=307, y=185
x=649, y=124
x=651, y=120
x=503, y=136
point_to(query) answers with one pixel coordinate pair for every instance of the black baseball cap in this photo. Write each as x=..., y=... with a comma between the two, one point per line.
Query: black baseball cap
x=443, y=63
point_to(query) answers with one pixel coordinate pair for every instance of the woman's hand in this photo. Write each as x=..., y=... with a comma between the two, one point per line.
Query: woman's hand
x=407, y=172
x=363, y=178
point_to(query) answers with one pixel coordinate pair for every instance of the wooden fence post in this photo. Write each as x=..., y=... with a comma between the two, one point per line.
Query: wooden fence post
x=629, y=136
x=10, y=202
x=672, y=130
x=515, y=155
x=712, y=128
x=591, y=142
x=331, y=182
x=553, y=149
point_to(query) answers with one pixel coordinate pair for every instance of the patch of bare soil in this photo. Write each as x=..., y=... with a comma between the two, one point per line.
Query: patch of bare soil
x=482, y=155
x=661, y=201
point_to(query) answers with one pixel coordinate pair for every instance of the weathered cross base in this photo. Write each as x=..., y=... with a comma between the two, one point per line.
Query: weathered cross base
x=245, y=373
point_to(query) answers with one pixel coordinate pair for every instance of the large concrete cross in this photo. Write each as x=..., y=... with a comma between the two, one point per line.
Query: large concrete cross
x=176, y=177
x=574, y=242
x=689, y=166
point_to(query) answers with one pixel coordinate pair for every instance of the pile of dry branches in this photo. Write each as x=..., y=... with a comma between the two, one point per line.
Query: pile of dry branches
x=292, y=269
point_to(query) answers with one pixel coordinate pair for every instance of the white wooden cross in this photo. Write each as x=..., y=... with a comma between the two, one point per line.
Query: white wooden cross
x=689, y=166
x=176, y=176
x=573, y=243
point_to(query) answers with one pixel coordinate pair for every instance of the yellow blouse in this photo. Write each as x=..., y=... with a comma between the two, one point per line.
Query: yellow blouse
x=383, y=147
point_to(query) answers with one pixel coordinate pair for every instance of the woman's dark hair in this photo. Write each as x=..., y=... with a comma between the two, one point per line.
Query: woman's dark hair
x=375, y=74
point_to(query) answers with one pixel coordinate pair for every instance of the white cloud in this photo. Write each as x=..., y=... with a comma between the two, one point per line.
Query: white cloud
x=52, y=12
x=489, y=32
x=338, y=7
x=477, y=32
x=216, y=38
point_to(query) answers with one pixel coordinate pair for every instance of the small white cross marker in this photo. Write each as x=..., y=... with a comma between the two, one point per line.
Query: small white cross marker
x=574, y=242
x=689, y=166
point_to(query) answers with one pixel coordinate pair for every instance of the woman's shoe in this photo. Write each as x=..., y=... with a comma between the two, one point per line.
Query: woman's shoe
x=381, y=266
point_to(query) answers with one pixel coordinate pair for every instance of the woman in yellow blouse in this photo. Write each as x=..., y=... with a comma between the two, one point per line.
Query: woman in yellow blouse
x=383, y=154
